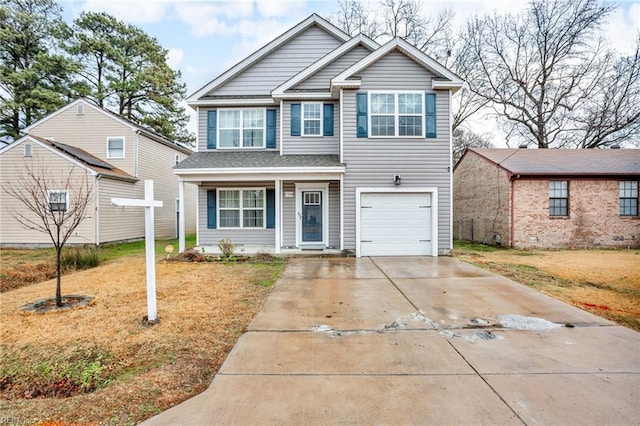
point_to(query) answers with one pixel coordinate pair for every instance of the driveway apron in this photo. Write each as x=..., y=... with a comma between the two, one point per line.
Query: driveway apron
x=418, y=340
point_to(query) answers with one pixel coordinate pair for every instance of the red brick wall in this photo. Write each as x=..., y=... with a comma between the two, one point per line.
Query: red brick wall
x=480, y=193
x=594, y=216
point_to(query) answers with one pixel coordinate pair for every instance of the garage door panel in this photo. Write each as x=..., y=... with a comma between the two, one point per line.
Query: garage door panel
x=395, y=224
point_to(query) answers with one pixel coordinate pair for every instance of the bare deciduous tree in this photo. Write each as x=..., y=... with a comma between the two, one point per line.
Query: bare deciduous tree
x=463, y=139
x=547, y=71
x=52, y=206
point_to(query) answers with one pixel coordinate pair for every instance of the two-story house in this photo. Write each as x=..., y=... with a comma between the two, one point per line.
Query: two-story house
x=115, y=155
x=323, y=141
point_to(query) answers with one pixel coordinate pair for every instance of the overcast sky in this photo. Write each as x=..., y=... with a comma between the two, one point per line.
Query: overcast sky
x=205, y=37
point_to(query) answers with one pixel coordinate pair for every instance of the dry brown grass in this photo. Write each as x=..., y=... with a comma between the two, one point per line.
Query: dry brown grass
x=203, y=308
x=603, y=282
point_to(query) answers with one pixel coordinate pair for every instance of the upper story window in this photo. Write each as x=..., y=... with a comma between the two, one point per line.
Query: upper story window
x=558, y=198
x=311, y=119
x=629, y=198
x=241, y=208
x=28, y=150
x=396, y=114
x=58, y=200
x=243, y=128
x=176, y=158
x=115, y=147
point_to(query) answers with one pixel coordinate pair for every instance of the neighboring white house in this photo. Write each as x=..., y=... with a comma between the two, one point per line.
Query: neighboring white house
x=117, y=155
x=323, y=141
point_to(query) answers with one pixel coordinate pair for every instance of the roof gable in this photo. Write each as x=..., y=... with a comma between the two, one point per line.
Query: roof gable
x=446, y=79
x=326, y=61
x=558, y=162
x=242, y=66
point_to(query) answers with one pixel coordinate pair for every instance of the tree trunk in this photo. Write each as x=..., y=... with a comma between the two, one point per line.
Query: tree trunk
x=58, y=273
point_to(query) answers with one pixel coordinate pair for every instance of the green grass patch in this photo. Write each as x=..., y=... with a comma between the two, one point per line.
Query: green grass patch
x=463, y=245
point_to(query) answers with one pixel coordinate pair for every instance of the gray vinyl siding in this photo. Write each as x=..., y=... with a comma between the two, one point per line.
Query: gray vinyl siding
x=318, y=145
x=421, y=162
x=280, y=65
x=289, y=215
x=321, y=79
x=240, y=237
x=202, y=125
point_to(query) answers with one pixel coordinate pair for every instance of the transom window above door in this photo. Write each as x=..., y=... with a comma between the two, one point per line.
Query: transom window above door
x=243, y=128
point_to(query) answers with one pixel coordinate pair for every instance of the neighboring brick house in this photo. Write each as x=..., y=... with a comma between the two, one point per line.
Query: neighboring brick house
x=548, y=198
x=116, y=154
x=322, y=141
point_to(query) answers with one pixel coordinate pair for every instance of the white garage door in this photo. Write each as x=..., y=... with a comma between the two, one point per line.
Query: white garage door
x=395, y=224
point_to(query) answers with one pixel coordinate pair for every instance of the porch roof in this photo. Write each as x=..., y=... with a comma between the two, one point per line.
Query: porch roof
x=257, y=160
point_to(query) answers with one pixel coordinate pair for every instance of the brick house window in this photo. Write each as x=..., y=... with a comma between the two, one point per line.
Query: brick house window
x=629, y=198
x=558, y=198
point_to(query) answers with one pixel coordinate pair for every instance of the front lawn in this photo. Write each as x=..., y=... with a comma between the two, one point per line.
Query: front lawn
x=119, y=370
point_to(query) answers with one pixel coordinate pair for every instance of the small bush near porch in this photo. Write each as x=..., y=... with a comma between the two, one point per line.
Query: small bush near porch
x=603, y=282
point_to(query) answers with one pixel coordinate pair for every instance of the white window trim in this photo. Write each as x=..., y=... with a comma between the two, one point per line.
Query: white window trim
x=396, y=114
x=123, y=146
x=264, y=129
x=28, y=150
x=320, y=187
x=241, y=208
x=58, y=191
x=176, y=159
x=302, y=119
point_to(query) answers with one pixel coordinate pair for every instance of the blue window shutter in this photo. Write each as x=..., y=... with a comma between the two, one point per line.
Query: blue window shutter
x=295, y=119
x=211, y=129
x=211, y=209
x=271, y=208
x=361, y=115
x=271, y=128
x=430, y=114
x=328, y=120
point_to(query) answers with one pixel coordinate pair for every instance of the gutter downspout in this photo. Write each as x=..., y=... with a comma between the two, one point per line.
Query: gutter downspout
x=135, y=153
x=511, y=210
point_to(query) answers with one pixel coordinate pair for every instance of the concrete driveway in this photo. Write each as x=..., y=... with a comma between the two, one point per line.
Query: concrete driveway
x=418, y=340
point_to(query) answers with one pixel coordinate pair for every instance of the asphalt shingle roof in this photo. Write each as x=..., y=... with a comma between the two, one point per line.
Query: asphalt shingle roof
x=564, y=161
x=255, y=159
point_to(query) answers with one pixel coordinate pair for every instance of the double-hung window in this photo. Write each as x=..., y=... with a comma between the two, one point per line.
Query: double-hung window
x=397, y=114
x=629, y=198
x=558, y=198
x=241, y=208
x=58, y=200
x=311, y=119
x=115, y=147
x=243, y=128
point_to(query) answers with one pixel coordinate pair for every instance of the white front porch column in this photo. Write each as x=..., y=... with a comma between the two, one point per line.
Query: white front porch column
x=181, y=236
x=278, y=223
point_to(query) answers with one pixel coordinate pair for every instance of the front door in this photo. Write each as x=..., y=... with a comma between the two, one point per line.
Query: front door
x=311, y=216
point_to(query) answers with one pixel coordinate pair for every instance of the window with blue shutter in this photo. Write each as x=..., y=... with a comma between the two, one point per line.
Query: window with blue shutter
x=328, y=120
x=361, y=115
x=271, y=208
x=430, y=114
x=295, y=119
x=211, y=209
x=211, y=129
x=271, y=128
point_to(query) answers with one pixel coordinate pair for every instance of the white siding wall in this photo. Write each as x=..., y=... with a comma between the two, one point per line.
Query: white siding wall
x=89, y=131
x=329, y=145
x=120, y=223
x=280, y=65
x=420, y=162
x=12, y=164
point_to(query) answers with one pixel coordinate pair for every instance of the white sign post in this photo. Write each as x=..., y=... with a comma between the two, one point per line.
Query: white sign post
x=148, y=203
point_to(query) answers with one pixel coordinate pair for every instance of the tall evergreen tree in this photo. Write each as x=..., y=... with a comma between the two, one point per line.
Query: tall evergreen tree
x=126, y=71
x=35, y=77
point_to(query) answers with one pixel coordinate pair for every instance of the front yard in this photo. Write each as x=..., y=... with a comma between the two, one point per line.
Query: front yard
x=603, y=282
x=131, y=370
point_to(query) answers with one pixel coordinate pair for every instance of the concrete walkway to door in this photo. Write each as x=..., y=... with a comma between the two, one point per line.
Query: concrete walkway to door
x=418, y=340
